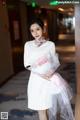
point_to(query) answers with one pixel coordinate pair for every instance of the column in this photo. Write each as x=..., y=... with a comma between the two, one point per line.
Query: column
x=77, y=44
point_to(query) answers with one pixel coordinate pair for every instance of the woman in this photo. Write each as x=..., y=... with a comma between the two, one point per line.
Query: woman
x=48, y=93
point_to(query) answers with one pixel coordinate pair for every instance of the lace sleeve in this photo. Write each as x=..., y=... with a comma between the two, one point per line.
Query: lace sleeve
x=54, y=57
x=26, y=56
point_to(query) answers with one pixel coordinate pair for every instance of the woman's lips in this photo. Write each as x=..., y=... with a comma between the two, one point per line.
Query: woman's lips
x=36, y=36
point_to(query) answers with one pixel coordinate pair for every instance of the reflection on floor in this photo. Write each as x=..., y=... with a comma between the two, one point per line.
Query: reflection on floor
x=13, y=95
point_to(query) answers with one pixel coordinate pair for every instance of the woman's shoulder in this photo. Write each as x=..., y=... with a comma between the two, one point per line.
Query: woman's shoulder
x=51, y=43
x=28, y=43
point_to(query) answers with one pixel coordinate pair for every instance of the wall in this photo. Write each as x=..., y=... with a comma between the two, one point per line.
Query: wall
x=6, y=68
x=24, y=26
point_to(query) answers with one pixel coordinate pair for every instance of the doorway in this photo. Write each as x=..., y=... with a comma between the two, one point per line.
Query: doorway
x=15, y=34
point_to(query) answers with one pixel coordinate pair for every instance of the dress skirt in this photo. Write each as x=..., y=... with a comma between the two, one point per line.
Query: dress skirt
x=53, y=94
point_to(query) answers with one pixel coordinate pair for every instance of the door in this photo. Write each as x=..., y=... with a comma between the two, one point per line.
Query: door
x=16, y=38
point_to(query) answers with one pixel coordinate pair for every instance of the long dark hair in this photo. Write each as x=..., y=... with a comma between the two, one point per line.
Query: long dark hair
x=38, y=21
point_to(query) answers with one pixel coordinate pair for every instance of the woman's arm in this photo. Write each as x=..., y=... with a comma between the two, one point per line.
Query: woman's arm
x=26, y=56
x=54, y=57
x=55, y=63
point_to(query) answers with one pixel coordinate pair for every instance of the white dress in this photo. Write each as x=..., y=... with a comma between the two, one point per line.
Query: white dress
x=52, y=94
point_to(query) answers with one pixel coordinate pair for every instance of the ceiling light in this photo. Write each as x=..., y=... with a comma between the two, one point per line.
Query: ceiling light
x=61, y=9
x=70, y=13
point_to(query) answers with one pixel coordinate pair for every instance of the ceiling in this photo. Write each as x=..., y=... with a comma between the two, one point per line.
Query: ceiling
x=63, y=8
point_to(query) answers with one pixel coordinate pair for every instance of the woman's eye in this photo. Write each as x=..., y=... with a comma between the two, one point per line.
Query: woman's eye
x=38, y=29
x=32, y=31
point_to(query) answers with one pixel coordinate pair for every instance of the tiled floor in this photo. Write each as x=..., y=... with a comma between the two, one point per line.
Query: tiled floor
x=13, y=98
x=13, y=95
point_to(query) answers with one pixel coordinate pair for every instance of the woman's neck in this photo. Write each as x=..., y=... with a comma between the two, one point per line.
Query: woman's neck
x=40, y=41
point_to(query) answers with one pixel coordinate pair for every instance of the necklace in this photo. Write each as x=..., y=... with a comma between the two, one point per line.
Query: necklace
x=38, y=43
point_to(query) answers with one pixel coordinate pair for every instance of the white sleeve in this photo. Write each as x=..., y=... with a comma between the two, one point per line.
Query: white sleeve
x=26, y=55
x=54, y=57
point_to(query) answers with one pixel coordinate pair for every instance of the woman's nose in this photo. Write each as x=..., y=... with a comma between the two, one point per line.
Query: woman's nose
x=35, y=32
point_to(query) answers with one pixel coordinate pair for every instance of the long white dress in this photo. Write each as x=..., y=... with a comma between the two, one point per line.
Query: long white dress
x=53, y=94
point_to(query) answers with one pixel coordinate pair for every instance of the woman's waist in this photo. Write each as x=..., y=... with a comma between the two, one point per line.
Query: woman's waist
x=43, y=69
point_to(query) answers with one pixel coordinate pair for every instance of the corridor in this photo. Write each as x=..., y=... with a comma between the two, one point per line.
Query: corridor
x=13, y=95
x=15, y=17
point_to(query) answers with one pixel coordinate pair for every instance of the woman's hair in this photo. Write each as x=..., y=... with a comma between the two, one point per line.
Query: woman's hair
x=37, y=21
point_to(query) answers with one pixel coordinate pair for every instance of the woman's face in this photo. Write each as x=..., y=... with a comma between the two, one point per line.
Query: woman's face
x=36, y=31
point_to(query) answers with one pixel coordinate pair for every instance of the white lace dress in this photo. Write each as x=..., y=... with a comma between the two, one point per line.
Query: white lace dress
x=53, y=94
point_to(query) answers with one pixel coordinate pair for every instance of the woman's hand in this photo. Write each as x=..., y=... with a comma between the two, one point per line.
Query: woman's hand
x=48, y=75
x=28, y=67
